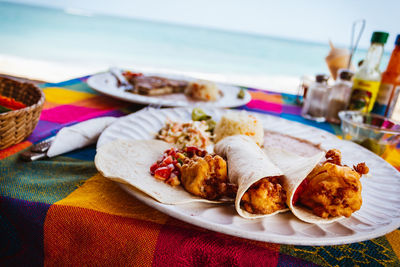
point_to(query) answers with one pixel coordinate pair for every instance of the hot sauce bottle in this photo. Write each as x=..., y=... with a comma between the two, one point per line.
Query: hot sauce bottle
x=390, y=84
x=367, y=79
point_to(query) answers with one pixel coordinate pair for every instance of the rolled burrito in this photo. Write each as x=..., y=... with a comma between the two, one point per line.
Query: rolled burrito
x=260, y=192
x=319, y=188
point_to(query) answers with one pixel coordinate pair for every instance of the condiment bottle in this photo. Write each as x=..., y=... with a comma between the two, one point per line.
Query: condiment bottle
x=338, y=96
x=367, y=79
x=314, y=104
x=390, y=84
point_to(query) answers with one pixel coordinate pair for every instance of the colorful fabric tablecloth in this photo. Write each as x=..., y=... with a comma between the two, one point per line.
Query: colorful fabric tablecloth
x=61, y=211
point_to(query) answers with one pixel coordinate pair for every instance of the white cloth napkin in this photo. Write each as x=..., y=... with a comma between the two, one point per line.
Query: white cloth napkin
x=78, y=135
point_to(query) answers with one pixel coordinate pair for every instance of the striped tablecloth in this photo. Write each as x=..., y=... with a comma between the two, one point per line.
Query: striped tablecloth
x=60, y=211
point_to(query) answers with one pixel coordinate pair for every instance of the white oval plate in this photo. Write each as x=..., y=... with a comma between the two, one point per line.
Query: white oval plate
x=106, y=83
x=379, y=214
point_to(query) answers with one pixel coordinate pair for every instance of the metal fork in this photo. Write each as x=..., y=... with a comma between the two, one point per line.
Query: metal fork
x=122, y=82
x=37, y=151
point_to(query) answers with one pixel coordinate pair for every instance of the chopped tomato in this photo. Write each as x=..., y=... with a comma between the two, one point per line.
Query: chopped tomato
x=162, y=164
x=171, y=152
x=162, y=173
x=153, y=168
x=168, y=160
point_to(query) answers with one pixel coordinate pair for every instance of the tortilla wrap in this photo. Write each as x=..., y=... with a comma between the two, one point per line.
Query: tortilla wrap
x=247, y=164
x=129, y=161
x=296, y=168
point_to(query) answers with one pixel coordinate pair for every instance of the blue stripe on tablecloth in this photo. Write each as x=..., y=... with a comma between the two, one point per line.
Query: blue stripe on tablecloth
x=21, y=232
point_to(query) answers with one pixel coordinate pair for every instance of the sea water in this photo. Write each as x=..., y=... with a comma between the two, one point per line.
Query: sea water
x=52, y=34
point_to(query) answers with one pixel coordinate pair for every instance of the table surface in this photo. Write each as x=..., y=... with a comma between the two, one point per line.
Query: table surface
x=62, y=211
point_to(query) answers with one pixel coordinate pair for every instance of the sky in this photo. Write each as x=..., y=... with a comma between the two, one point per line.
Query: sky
x=309, y=20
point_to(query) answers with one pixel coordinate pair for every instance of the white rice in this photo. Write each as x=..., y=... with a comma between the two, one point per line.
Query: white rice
x=235, y=123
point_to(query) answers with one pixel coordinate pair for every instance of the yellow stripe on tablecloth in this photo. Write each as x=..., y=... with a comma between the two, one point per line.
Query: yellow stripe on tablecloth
x=394, y=240
x=101, y=194
x=64, y=96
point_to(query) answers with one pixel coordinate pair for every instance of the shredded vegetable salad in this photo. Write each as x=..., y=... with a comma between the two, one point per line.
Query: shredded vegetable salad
x=193, y=133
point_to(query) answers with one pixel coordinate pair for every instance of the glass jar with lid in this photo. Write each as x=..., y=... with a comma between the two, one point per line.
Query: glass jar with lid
x=314, y=104
x=338, y=97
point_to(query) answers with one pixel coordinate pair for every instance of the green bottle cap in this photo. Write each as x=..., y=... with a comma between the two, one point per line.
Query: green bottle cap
x=379, y=37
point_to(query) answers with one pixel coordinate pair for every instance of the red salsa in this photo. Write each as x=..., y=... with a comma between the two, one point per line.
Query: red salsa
x=168, y=168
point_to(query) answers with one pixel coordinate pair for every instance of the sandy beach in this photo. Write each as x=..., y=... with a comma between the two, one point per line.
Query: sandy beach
x=53, y=71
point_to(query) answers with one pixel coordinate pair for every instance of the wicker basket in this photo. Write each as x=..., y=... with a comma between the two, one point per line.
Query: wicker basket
x=17, y=125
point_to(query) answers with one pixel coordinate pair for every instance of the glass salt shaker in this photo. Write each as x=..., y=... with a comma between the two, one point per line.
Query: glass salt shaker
x=314, y=104
x=338, y=96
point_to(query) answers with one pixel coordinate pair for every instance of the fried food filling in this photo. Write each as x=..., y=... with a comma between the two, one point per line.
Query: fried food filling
x=331, y=189
x=265, y=196
x=206, y=177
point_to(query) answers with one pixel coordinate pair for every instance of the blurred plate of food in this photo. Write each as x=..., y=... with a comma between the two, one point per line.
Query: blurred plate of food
x=167, y=89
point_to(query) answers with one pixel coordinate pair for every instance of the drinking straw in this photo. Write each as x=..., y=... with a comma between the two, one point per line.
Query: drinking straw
x=353, y=48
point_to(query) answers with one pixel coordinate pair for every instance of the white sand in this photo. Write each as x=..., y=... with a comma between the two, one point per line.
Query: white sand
x=44, y=70
x=52, y=71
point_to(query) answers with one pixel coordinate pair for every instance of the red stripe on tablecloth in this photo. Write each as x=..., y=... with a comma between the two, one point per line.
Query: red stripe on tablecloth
x=78, y=236
x=199, y=248
x=14, y=149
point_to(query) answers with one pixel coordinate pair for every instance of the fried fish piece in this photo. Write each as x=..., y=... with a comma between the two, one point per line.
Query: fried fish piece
x=207, y=177
x=265, y=196
x=332, y=189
